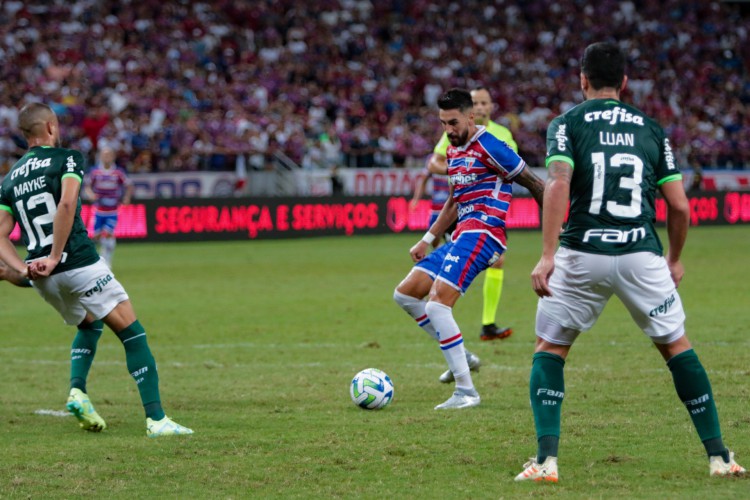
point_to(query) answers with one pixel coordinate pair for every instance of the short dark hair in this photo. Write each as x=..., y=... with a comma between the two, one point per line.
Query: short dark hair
x=603, y=63
x=459, y=99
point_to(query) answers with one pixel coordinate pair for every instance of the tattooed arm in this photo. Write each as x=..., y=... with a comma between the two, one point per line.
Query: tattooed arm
x=556, y=198
x=528, y=179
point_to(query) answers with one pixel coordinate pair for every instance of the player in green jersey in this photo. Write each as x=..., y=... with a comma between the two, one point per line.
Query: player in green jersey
x=493, y=276
x=608, y=160
x=41, y=193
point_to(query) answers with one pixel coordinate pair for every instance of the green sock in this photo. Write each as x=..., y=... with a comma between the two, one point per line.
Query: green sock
x=493, y=288
x=546, y=391
x=142, y=367
x=694, y=389
x=82, y=353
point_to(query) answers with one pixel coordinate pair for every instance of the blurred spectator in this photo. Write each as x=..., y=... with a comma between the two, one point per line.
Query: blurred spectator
x=191, y=84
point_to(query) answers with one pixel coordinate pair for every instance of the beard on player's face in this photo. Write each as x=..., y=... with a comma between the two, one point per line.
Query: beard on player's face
x=459, y=138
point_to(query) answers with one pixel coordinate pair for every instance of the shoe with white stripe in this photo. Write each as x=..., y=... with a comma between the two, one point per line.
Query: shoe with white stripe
x=719, y=468
x=474, y=364
x=165, y=427
x=461, y=399
x=534, y=471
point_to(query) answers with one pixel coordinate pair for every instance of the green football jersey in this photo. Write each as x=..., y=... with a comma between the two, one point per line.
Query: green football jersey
x=31, y=192
x=619, y=157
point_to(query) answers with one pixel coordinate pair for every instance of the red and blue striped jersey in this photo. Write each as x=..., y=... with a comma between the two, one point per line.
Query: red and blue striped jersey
x=440, y=192
x=482, y=173
x=108, y=186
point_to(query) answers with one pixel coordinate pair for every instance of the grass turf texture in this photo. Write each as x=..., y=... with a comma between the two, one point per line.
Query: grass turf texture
x=257, y=342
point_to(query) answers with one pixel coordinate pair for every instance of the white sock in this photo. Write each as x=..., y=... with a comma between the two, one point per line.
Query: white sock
x=451, y=343
x=107, y=248
x=414, y=307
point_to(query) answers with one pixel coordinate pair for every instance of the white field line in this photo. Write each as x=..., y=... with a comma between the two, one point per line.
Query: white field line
x=52, y=413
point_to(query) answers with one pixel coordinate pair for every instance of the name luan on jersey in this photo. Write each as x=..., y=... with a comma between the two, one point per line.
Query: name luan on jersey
x=481, y=173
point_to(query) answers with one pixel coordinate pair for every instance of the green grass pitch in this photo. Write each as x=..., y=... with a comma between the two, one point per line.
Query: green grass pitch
x=256, y=344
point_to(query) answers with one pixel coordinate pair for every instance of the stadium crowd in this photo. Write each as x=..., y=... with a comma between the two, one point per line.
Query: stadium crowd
x=186, y=85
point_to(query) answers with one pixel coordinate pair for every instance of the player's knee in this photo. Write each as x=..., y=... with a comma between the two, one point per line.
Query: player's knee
x=403, y=299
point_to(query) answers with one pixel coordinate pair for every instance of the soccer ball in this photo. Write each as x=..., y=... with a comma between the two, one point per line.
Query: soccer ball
x=371, y=389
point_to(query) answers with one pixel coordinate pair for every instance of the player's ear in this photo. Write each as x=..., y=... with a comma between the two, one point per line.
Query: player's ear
x=624, y=83
x=584, y=83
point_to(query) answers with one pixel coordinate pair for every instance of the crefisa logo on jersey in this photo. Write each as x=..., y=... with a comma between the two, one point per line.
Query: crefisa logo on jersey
x=561, y=138
x=30, y=165
x=614, y=116
x=668, y=155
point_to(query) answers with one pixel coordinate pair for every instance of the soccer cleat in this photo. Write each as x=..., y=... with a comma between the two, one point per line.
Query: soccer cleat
x=534, y=471
x=474, y=364
x=81, y=408
x=461, y=399
x=165, y=427
x=492, y=332
x=719, y=468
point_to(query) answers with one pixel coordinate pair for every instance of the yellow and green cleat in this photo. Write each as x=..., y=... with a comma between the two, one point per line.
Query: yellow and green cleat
x=81, y=408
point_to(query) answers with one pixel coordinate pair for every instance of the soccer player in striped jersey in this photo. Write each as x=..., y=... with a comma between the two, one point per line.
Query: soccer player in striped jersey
x=481, y=170
x=609, y=160
x=109, y=187
x=493, y=277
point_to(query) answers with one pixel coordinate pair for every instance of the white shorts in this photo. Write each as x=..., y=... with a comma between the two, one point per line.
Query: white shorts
x=73, y=293
x=582, y=284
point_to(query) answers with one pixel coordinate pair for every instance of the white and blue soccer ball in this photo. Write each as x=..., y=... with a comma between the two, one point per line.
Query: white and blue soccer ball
x=371, y=389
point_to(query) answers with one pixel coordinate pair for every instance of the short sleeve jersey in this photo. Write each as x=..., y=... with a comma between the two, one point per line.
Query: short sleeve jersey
x=482, y=173
x=31, y=192
x=493, y=128
x=619, y=157
x=108, y=184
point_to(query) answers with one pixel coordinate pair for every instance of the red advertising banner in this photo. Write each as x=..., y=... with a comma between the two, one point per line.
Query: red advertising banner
x=200, y=219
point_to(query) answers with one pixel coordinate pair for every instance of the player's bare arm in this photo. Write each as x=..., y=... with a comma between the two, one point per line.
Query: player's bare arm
x=678, y=220
x=438, y=164
x=8, y=255
x=448, y=214
x=419, y=191
x=556, y=198
x=128, y=194
x=12, y=276
x=528, y=179
x=61, y=227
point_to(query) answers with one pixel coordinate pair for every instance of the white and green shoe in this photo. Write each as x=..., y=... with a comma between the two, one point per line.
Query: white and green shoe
x=165, y=427
x=81, y=408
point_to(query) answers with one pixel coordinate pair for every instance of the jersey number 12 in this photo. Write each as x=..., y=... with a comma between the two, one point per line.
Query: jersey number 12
x=37, y=236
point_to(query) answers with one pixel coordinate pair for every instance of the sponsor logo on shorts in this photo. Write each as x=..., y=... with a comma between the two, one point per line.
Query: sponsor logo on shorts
x=663, y=308
x=452, y=258
x=100, y=284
